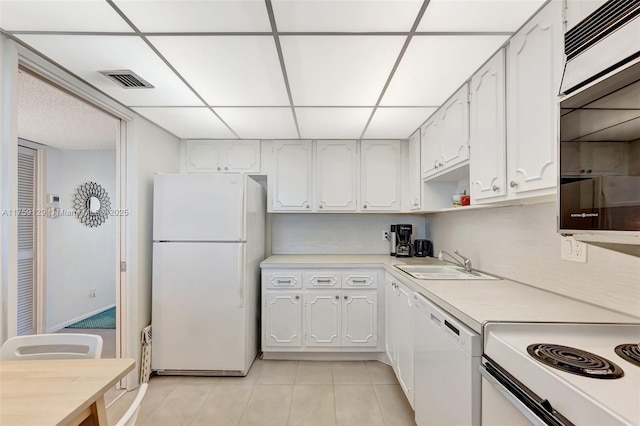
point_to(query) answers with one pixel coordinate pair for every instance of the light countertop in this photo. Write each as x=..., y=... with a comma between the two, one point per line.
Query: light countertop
x=473, y=302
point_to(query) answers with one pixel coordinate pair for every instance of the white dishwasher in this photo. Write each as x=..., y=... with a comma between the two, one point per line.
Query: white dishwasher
x=447, y=355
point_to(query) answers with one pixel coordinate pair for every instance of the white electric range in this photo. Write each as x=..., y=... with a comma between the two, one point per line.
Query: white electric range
x=522, y=379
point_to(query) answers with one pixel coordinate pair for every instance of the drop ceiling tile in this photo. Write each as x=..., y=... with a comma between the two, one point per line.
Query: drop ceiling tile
x=185, y=123
x=396, y=123
x=86, y=55
x=345, y=15
x=433, y=67
x=260, y=123
x=332, y=123
x=477, y=15
x=228, y=70
x=38, y=15
x=339, y=70
x=196, y=16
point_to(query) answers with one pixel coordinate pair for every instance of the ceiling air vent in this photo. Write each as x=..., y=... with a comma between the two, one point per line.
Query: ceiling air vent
x=127, y=79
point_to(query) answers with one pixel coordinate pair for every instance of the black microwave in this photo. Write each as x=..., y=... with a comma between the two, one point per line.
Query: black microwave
x=599, y=149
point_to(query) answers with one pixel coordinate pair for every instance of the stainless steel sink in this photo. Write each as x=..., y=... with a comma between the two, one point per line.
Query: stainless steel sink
x=442, y=272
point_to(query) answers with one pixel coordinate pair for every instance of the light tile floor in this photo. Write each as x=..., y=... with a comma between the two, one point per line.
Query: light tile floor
x=277, y=393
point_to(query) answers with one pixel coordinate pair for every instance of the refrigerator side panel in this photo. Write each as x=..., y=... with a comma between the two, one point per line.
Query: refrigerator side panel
x=254, y=254
x=192, y=207
x=198, y=321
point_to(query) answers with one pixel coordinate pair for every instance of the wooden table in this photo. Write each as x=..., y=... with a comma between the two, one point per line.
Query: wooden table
x=58, y=392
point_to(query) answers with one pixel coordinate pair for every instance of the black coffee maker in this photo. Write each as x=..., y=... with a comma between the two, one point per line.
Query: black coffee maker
x=403, y=239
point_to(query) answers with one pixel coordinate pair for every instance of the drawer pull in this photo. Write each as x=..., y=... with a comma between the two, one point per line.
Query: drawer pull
x=359, y=281
x=323, y=281
x=283, y=281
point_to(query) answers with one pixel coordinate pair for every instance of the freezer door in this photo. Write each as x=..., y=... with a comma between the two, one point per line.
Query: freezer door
x=198, y=316
x=191, y=207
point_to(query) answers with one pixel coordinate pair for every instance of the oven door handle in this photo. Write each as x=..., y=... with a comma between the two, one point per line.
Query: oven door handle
x=519, y=405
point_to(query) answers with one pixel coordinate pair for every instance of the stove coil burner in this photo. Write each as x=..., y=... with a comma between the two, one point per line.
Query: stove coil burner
x=575, y=361
x=629, y=352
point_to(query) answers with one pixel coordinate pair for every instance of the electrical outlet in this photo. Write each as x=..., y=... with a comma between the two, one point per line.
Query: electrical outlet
x=92, y=293
x=572, y=250
x=385, y=235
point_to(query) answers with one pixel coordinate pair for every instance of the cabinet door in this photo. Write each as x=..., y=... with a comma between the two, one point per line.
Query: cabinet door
x=336, y=175
x=359, y=318
x=322, y=318
x=204, y=156
x=533, y=79
x=430, y=146
x=242, y=156
x=292, y=180
x=454, y=130
x=404, y=328
x=380, y=175
x=283, y=319
x=487, y=169
x=415, y=177
x=390, y=313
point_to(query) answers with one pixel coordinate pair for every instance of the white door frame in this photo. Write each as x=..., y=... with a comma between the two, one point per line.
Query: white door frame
x=15, y=55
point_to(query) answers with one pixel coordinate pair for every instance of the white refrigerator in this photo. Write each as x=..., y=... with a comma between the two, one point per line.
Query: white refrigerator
x=208, y=242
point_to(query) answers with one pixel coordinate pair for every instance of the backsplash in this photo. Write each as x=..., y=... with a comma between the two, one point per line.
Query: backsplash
x=336, y=233
x=521, y=243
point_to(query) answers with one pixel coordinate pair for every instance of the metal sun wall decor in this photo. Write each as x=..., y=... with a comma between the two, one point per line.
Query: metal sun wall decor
x=92, y=204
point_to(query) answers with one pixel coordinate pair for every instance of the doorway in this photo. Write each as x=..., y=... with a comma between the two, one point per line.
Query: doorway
x=68, y=271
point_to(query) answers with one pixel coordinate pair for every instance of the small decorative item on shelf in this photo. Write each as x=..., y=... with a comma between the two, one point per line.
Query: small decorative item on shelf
x=465, y=200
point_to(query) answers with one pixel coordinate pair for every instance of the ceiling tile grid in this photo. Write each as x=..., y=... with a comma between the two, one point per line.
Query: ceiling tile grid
x=327, y=61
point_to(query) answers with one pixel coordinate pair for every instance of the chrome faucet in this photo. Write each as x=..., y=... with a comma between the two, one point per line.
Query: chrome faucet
x=465, y=263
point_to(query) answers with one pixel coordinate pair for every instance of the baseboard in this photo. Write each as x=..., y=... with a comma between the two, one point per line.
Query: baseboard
x=327, y=356
x=62, y=325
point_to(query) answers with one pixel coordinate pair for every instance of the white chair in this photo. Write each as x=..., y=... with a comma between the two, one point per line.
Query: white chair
x=129, y=418
x=47, y=346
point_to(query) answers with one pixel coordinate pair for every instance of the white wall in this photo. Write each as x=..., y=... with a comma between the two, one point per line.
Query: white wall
x=154, y=151
x=336, y=233
x=78, y=258
x=521, y=243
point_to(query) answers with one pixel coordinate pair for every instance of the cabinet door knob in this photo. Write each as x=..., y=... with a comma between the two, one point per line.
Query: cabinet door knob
x=345, y=298
x=297, y=297
x=306, y=206
x=365, y=206
x=589, y=171
x=320, y=206
x=440, y=164
x=219, y=168
x=495, y=188
x=226, y=168
x=513, y=184
x=581, y=170
x=337, y=297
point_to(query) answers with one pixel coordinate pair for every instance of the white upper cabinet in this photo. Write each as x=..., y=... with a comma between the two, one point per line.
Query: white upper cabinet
x=445, y=137
x=291, y=180
x=429, y=146
x=594, y=158
x=336, y=175
x=415, y=178
x=487, y=168
x=223, y=156
x=380, y=175
x=534, y=61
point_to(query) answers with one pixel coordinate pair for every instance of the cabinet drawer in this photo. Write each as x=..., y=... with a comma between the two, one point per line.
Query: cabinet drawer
x=321, y=279
x=282, y=279
x=358, y=278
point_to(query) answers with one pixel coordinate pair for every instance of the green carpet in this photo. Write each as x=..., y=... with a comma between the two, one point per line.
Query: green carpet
x=104, y=319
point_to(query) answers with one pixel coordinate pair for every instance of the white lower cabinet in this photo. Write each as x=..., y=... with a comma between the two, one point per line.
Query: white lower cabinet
x=334, y=310
x=282, y=319
x=322, y=312
x=399, y=333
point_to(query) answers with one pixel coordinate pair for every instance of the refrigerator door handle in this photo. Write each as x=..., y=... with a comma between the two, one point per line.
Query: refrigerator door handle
x=242, y=260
